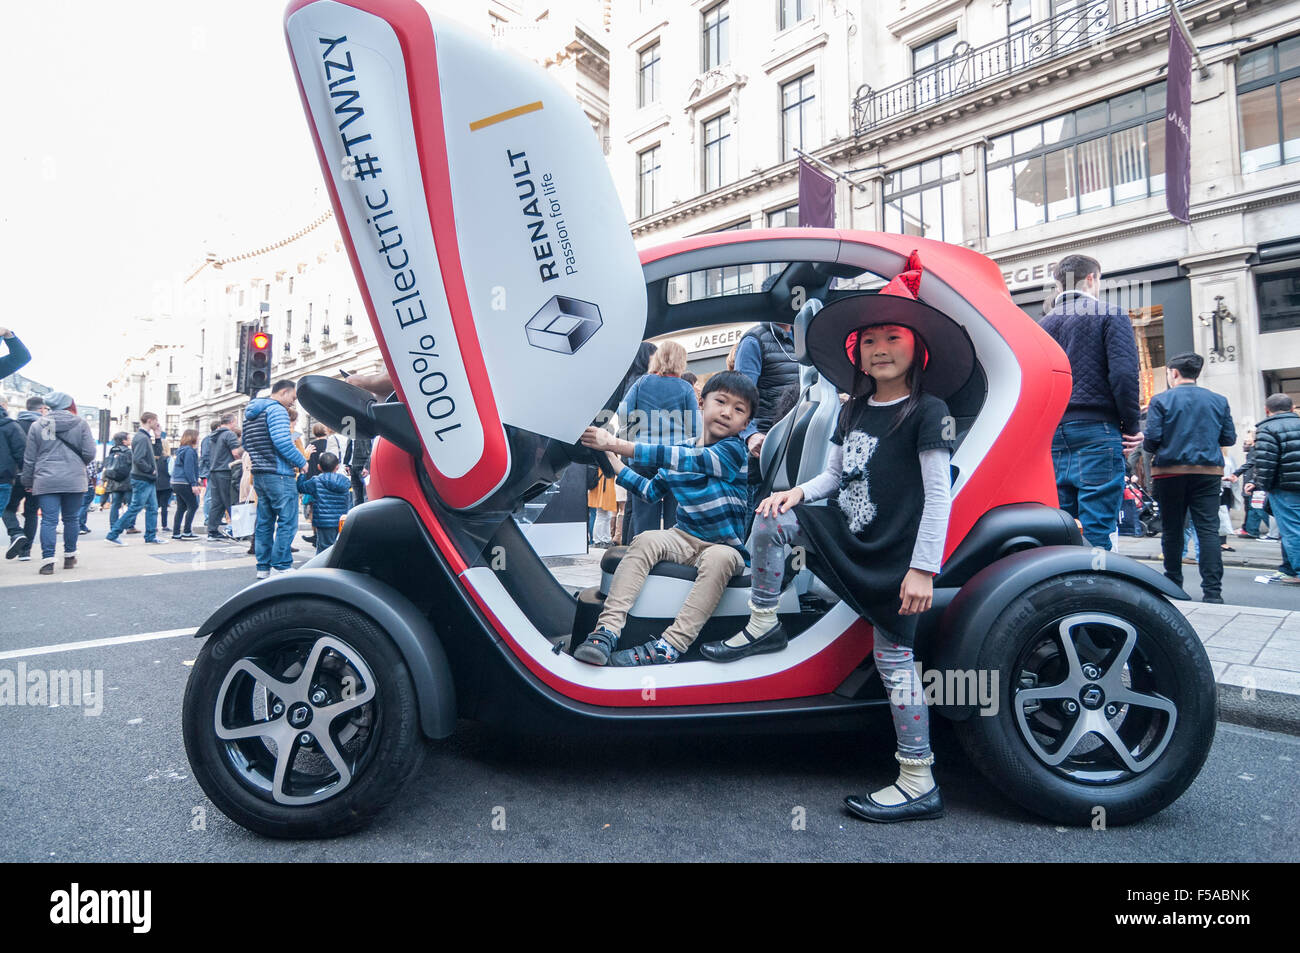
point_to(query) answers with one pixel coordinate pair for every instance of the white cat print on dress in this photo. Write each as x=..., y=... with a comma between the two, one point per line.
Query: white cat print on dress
x=855, y=492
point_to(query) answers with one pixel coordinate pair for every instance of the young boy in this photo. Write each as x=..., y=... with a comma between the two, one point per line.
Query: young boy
x=331, y=495
x=708, y=479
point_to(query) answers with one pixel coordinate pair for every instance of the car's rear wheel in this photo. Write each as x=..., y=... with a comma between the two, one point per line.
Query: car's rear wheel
x=1106, y=702
x=300, y=719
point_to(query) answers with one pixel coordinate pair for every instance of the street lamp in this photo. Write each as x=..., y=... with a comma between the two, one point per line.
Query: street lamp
x=1215, y=320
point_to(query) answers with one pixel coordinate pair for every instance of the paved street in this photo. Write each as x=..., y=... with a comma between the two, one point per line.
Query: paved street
x=118, y=787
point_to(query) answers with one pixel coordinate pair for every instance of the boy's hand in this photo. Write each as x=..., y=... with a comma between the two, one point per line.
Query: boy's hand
x=780, y=502
x=597, y=438
x=916, y=593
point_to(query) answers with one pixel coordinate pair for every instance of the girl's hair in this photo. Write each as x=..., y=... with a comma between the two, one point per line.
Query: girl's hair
x=669, y=359
x=189, y=438
x=319, y=430
x=864, y=385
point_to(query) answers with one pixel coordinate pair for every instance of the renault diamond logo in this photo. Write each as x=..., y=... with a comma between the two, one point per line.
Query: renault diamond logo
x=563, y=324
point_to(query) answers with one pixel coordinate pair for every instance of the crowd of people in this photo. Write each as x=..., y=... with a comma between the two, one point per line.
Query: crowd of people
x=1177, y=449
x=250, y=464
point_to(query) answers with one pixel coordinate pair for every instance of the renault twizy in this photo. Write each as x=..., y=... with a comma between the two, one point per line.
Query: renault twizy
x=509, y=301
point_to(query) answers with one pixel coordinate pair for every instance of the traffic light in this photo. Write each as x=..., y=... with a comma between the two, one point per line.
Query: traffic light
x=254, y=372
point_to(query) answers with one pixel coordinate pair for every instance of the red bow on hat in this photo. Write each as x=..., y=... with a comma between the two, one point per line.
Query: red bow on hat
x=906, y=284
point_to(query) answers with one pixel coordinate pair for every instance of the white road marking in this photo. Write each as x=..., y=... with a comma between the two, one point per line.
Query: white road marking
x=97, y=643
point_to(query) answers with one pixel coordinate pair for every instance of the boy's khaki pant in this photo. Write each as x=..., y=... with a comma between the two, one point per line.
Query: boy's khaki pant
x=714, y=563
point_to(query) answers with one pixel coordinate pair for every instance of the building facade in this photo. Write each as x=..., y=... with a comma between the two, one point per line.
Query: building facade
x=1025, y=129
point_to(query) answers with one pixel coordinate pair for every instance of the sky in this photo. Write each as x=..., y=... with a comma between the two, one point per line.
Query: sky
x=138, y=135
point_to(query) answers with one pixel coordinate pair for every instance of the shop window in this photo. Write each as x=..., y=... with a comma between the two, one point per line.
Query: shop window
x=1268, y=103
x=1278, y=294
x=1149, y=334
x=1090, y=158
x=925, y=199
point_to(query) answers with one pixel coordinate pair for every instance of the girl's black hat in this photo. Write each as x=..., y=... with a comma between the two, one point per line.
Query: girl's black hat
x=828, y=338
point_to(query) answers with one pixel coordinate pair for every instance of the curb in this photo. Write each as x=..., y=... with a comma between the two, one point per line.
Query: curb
x=1267, y=711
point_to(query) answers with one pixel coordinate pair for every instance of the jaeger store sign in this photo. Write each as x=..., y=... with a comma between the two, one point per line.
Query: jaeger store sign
x=1037, y=273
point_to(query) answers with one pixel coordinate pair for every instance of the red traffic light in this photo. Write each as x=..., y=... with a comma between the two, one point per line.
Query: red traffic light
x=260, y=341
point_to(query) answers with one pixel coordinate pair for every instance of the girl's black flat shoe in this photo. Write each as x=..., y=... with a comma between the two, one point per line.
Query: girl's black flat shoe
x=925, y=807
x=773, y=640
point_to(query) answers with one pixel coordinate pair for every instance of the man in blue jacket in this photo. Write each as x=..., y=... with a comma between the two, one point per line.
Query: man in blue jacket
x=1187, y=429
x=1100, y=424
x=270, y=453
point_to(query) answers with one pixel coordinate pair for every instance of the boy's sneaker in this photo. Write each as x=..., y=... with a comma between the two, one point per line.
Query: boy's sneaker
x=658, y=652
x=115, y=540
x=597, y=647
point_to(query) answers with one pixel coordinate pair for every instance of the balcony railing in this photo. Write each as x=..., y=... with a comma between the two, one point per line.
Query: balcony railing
x=969, y=68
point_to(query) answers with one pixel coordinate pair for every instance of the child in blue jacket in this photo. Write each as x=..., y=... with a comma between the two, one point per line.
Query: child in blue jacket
x=331, y=494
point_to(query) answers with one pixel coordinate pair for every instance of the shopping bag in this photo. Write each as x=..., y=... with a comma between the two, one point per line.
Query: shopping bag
x=243, y=519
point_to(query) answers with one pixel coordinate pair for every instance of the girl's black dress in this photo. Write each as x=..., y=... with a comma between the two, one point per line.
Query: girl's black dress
x=862, y=539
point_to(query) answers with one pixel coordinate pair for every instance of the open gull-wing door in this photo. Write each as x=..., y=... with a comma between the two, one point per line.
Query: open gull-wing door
x=483, y=227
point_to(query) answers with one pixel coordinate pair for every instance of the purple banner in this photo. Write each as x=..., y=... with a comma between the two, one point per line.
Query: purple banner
x=1178, y=126
x=816, y=197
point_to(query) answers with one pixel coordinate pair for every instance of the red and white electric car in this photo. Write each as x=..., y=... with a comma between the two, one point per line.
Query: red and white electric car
x=308, y=704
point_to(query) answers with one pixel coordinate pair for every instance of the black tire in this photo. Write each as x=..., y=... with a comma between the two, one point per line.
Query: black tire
x=1166, y=662
x=378, y=741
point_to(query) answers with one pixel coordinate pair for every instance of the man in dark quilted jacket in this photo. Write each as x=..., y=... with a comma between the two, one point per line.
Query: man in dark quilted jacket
x=1277, y=473
x=1100, y=424
x=1186, y=431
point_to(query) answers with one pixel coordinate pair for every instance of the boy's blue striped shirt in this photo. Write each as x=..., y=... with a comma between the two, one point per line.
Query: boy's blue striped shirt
x=710, y=485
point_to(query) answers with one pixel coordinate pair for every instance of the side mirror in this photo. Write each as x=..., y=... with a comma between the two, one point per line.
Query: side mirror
x=347, y=408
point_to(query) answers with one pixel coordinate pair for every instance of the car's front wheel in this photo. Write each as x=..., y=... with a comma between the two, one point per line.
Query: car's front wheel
x=300, y=719
x=1106, y=701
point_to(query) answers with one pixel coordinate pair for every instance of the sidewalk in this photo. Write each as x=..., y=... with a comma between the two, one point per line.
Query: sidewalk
x=97, y=559
x=1249, y=553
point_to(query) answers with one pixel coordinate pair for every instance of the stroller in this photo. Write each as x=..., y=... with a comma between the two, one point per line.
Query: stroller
x=1139, y=513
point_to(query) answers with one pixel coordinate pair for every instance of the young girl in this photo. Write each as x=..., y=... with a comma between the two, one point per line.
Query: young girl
x=878, y=545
